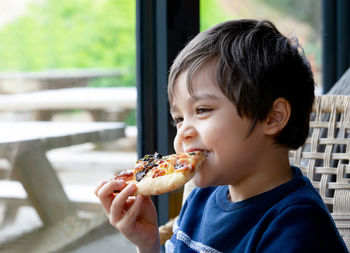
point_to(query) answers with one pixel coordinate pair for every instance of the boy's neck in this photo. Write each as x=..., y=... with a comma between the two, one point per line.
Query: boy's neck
x=272, y=172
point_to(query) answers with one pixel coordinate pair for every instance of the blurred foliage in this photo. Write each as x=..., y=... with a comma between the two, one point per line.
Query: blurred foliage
x=303, y=10
x=302, y=17
x=57, y=34
x=131, y=118
x=61, y=34
x=211, y=13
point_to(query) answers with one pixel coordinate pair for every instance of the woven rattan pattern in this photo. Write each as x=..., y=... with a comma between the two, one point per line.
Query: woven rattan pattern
x=325, y=157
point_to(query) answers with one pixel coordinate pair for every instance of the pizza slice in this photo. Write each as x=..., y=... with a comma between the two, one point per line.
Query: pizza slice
x=157, y=174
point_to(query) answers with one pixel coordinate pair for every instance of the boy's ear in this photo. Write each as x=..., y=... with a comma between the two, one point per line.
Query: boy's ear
x=278, y=117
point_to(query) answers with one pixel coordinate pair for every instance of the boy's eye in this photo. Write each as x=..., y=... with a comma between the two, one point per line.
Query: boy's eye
x=201, y=110
x=176, y=120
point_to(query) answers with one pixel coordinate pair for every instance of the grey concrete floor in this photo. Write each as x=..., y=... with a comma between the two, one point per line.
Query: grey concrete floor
x=104, y=239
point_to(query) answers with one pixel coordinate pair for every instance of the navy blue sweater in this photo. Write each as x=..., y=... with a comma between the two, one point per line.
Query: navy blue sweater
x=289, y=218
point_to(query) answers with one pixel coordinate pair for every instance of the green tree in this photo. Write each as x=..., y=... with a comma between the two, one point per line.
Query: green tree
x=212, y=13
x=72, y=34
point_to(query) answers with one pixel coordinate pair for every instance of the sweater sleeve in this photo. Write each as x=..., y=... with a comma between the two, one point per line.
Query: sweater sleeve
x=301, y=228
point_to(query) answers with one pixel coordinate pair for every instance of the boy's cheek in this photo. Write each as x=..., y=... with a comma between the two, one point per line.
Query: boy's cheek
x=177, y=145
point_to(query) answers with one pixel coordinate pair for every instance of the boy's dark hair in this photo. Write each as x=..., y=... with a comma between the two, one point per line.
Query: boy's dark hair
x=256, y=64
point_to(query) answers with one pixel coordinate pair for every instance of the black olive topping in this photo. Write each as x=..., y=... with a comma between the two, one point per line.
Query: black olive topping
x=157, y=155
x=178, y=166
x=150, y=166
x=148, y=159
x=139, y=175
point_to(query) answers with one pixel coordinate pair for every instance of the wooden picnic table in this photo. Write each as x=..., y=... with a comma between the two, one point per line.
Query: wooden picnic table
x=24, y=145
x=51, y=79
x=95, y=100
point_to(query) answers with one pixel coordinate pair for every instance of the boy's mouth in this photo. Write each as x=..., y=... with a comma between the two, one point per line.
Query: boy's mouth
x=205, y=152
x=197, y=149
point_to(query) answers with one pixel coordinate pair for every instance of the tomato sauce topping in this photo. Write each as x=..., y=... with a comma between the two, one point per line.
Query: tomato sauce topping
x=125, y=175
x=158, y=173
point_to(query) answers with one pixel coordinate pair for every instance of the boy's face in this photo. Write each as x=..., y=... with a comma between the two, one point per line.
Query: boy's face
x=207, y=120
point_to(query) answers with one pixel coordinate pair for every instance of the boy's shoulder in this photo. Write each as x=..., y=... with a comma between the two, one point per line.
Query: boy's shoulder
x=303, y=202
x=302, y=194
x=267, y=222
x=302, y=210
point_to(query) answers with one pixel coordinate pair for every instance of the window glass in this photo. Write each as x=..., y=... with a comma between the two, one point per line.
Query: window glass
x=298, y=18
x=64, y=62
x=60, y=34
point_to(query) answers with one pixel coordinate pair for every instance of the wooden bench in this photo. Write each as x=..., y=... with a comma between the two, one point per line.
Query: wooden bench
x=98, y=101
x=82, y=196
x=24, y=146
x=14, y=82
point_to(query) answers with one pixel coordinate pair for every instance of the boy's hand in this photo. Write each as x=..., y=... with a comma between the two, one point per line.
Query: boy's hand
x=135, y=217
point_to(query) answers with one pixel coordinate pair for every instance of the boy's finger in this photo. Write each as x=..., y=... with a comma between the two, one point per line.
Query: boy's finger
x=134, y=210
x=129, y=202
x=131, y=215
x=117, y=207
x=98, y=187
x=105, y=193
x=106, y=190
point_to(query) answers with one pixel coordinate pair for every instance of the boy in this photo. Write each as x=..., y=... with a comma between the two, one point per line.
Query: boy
x=243, y=93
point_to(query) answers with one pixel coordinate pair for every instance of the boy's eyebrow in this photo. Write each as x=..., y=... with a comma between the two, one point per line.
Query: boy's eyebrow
x=203, y=96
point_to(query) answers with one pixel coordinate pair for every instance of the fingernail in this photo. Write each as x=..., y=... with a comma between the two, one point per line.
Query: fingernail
x=132, y=187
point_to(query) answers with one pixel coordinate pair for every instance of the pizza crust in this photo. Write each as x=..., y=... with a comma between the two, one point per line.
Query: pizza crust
x=160, y=185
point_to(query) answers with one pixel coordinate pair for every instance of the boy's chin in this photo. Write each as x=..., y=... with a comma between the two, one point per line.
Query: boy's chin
x=200, y=182
x=203, y=182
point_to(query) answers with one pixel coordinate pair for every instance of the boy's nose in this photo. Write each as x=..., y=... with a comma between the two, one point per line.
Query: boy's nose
x=187, y=131
x=184, y=137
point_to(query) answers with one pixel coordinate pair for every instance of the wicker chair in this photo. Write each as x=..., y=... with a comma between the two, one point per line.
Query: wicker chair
x=324, y=159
